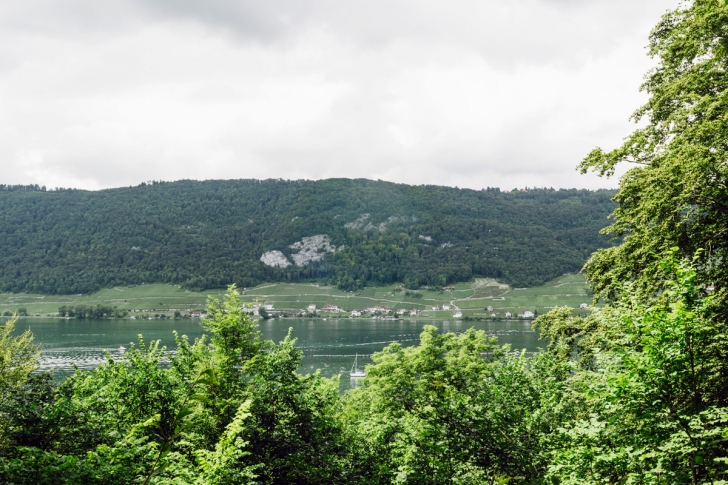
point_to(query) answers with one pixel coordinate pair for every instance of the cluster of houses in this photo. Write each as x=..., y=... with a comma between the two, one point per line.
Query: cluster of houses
x=374, y=310
x=380, y=311
x=255, y=308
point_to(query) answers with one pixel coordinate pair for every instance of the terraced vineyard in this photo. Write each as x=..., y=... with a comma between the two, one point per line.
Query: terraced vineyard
x=471, y=298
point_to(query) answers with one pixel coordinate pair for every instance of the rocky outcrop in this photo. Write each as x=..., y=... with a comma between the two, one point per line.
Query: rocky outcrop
x=312, y=249
x=275, y=259
x=308, y=249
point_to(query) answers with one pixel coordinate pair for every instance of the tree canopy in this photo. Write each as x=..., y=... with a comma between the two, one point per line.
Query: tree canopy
x=210, y=234
x=676, y=195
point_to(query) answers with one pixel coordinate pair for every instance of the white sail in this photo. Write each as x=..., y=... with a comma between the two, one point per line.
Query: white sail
x=355, y=372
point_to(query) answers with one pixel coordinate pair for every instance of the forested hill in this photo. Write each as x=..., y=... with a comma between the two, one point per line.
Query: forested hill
x=347, y=232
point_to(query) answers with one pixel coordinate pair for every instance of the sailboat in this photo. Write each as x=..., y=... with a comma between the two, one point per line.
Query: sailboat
x=355, y=372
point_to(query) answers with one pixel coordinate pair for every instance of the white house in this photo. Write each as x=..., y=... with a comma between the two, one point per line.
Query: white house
x=435, y=307
x=583, y=305
x=490, y=308
x=414, y=313
x=401, y=311
x=458, y=314
x=355, y=313
x=528, y=314
x=445, y=307
x=509, y=314
x=312, y=307
x=268, y=307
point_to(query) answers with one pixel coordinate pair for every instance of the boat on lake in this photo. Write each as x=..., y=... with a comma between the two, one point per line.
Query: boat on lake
x=355, y=372
x=122, y=349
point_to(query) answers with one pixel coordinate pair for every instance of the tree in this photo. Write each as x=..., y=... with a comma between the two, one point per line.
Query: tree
x=677, y=195
x=454, y=409
x=18, y=356
x=292, y=431
x=22, y=312
x=655, y=404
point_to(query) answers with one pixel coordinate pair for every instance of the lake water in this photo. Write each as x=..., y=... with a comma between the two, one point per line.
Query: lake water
x=327, y=344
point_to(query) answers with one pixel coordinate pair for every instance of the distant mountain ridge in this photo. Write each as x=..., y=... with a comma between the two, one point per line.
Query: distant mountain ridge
x=346, y=232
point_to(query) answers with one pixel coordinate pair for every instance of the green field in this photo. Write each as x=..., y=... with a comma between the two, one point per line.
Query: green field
x=143, y=298
x=471, y=298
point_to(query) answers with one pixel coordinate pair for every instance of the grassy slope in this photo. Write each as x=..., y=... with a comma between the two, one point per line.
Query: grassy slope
x=472, y=298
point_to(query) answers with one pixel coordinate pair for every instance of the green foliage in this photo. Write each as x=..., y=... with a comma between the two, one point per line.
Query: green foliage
x=569, y=336
x=654, y=397
x=655, y=406
x=204, y=235
x=18, y=357
x=228, y=410
x=95, y=312
x=455, y=409
x=292, y=432
x=676, y=196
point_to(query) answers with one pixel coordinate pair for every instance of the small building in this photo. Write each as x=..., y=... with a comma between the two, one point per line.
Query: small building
x=583, y=305
x=435, y=307
x=490, y=308
x=528, y=314
x=445, y=307
x=196, y=314
x=493, y=315
x=355, y=313
x=268, y=307
x=458, y=314
x=331, y=308
x=312, y=307
x=509, y=314
x=401, y=311
x=414, y=313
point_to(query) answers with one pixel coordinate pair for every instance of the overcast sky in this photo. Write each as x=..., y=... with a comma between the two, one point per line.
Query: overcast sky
x=469, y=93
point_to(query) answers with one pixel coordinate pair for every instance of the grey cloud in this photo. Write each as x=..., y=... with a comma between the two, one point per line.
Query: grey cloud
x=505, y=33
x=251, y=19
x=501, y=93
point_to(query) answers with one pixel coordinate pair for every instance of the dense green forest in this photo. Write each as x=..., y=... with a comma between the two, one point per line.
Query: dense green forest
x=204, y=235
x=635, y=393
